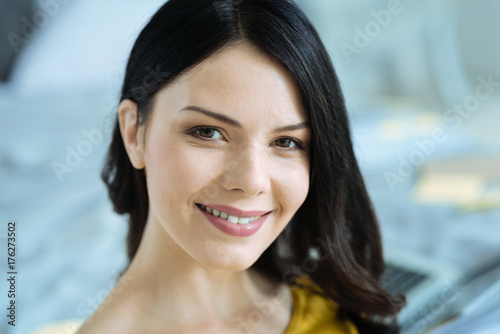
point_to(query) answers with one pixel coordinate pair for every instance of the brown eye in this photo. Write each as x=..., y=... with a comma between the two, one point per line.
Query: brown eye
x=289, y=143
x=206, y=133
x=284, y=142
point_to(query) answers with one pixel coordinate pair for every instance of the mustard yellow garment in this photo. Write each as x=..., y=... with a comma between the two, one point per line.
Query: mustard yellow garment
x=313, y=313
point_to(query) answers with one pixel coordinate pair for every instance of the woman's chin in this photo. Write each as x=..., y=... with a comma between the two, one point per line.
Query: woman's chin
x=230, y=262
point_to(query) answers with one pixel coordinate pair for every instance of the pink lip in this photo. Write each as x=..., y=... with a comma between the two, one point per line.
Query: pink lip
x=237, y=230
x=236, y=212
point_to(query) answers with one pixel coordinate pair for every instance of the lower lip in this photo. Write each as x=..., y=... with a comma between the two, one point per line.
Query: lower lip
x=237, y=230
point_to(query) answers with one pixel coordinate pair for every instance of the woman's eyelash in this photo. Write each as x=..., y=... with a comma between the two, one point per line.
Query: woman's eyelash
x=196, y=132
x=297, y=142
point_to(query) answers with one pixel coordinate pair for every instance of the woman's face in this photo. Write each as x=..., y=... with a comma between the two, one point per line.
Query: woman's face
x=218, y=137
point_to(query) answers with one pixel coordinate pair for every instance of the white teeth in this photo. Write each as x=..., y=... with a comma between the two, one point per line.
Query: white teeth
x=232, y=219
x=243, y=221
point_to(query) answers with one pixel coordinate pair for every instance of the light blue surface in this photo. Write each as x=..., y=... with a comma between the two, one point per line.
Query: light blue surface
x=481, y=317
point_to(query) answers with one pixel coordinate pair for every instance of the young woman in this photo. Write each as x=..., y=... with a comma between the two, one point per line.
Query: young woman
x=233, y=159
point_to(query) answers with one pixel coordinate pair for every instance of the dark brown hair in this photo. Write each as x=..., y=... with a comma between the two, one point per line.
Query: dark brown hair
x=334, y=236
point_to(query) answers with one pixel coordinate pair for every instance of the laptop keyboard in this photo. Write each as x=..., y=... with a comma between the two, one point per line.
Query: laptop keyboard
x=397, y=280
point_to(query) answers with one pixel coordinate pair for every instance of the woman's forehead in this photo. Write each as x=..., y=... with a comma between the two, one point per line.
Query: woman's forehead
x=240, y=78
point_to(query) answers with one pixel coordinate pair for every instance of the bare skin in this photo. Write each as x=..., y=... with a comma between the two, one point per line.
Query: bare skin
x=132, y=309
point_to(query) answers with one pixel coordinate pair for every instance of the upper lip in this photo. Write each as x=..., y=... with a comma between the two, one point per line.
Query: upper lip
x=236, y=212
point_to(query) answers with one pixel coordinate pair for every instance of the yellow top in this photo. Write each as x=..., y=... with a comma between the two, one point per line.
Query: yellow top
x=312, y=313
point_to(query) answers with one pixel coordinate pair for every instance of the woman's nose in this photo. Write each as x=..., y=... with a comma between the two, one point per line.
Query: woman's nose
x=248, y=170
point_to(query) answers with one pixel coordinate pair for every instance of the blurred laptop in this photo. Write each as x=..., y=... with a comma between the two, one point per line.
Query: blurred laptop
x=433, y=288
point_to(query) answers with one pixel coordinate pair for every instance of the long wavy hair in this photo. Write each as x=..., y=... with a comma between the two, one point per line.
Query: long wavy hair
x=334, y=236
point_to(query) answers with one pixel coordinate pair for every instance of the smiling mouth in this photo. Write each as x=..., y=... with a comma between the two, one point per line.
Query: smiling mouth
x=228, y=217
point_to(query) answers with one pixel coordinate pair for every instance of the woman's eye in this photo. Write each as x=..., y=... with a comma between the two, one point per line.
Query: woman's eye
x=206, y=132
x=289, y=143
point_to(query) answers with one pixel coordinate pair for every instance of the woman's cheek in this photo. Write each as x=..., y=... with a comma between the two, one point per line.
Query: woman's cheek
x=183, y=171
x=295, y=180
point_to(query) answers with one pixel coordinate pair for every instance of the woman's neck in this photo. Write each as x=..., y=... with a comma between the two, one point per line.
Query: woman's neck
x=172, y=290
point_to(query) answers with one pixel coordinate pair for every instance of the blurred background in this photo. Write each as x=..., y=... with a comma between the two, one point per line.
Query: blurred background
x=422, y=85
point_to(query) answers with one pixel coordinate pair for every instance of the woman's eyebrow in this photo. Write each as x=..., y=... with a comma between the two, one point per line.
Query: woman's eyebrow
x=237, y=124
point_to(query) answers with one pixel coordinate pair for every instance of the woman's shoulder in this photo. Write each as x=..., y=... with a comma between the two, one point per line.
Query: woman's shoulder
x=314, y=313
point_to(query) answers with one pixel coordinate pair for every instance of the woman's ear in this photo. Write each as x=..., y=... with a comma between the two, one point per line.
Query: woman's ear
x=132, y=133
